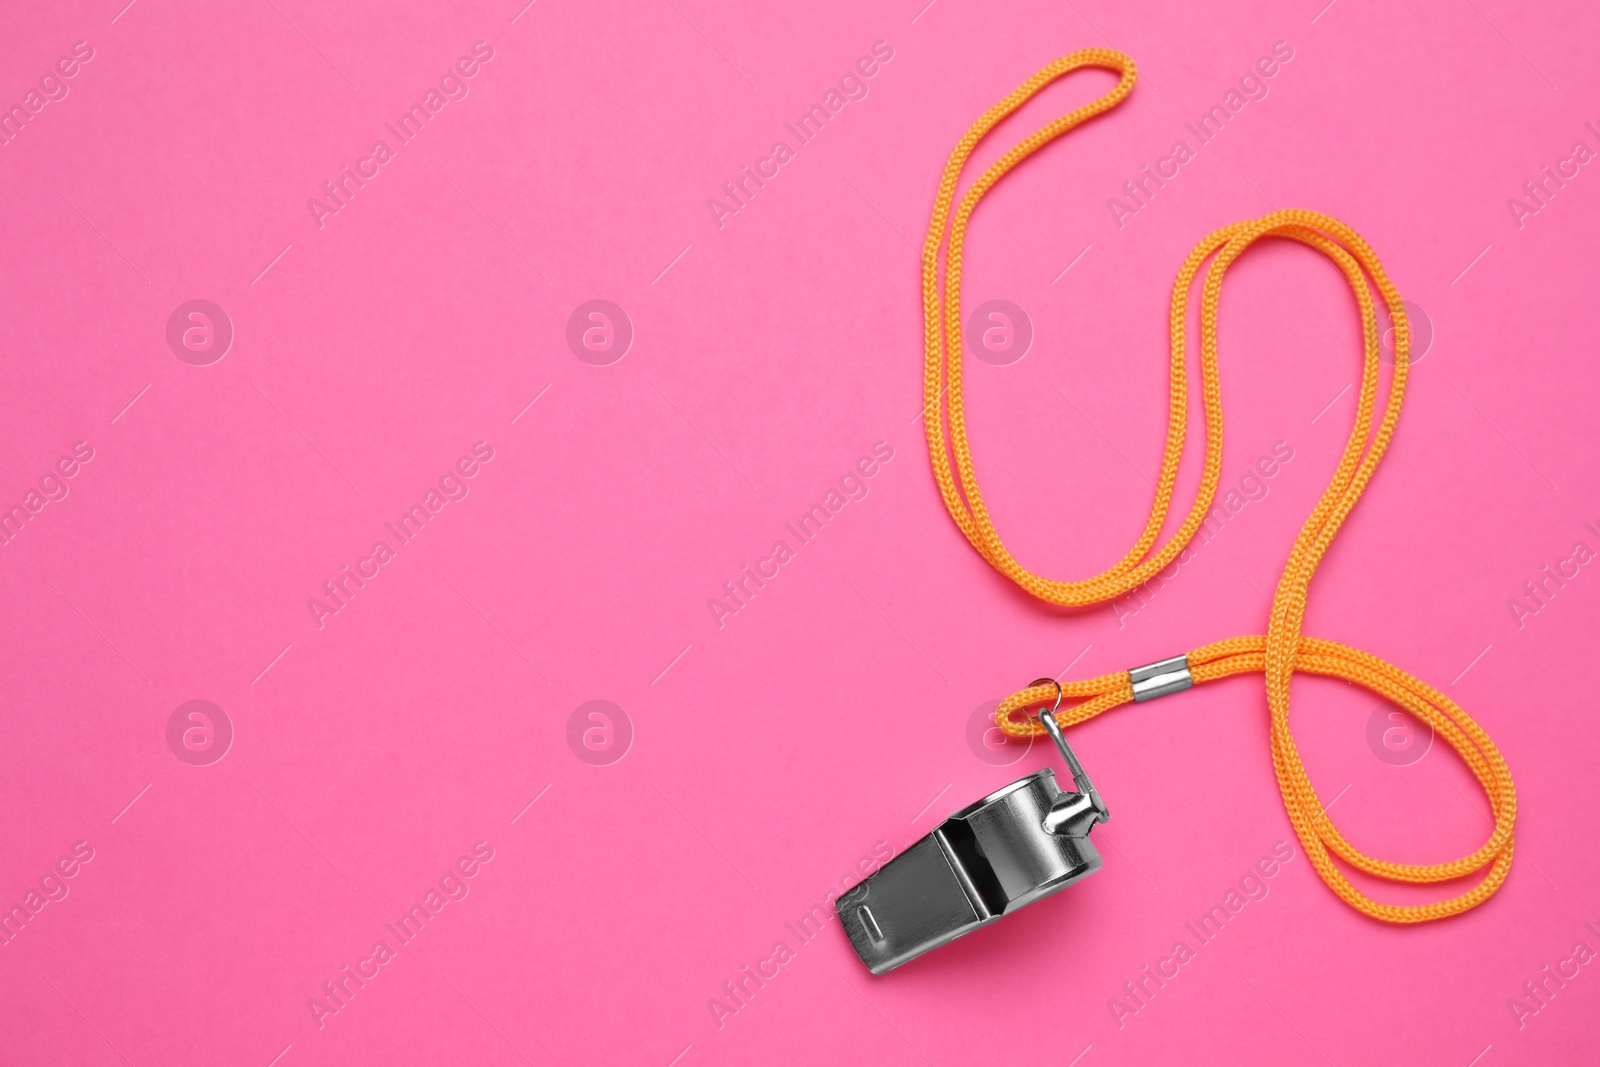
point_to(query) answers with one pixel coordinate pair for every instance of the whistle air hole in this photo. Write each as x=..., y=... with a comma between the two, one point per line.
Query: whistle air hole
x=870, y=925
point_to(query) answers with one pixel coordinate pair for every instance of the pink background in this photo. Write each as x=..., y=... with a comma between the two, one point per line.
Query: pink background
x=830, y=714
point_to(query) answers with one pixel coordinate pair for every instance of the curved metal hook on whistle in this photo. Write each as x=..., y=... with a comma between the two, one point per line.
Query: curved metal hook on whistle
x=1080, y=777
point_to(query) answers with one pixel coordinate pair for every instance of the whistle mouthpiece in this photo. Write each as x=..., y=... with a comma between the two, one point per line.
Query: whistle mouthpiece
x=1013, y=847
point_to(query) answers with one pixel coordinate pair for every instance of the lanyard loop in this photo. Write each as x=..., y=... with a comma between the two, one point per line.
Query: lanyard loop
x=1284, y=649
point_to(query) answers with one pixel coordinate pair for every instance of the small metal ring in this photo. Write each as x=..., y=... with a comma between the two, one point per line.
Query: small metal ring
x=1041, y=681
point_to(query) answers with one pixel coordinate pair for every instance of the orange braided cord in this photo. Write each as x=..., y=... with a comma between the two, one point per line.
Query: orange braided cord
x=1284, y=650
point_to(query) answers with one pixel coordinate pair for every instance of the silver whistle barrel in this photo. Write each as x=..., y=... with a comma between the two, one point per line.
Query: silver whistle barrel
x=1011, y=848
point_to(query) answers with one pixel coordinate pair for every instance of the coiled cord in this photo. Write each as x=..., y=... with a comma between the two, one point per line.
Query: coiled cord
x=1284, y=649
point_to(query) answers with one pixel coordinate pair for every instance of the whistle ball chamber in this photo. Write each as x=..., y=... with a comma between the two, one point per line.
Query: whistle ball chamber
x=1013, y=847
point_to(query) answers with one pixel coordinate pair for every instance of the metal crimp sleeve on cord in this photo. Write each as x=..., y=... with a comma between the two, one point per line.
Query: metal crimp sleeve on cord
x=1161, y=678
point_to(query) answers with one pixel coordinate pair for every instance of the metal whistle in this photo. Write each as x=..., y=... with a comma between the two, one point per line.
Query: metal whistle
x=1015, y=846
